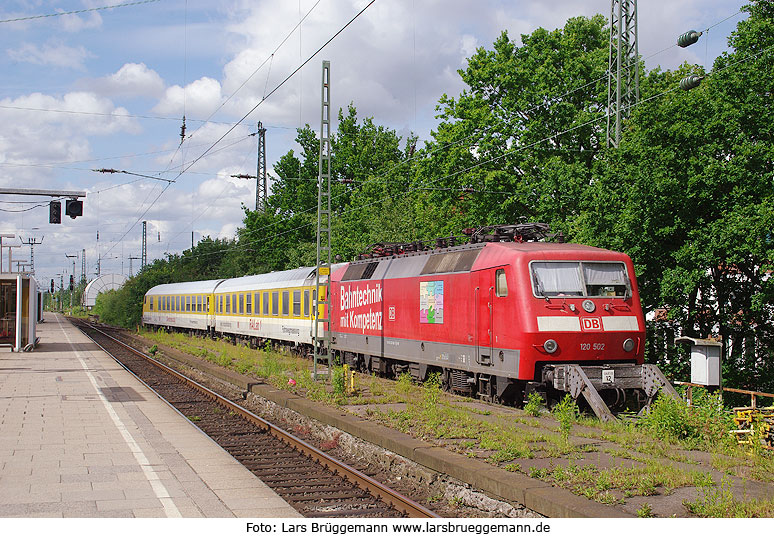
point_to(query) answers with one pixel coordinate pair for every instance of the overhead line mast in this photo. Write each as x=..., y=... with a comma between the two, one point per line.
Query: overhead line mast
x=323, y=267
x=623, y=69
x=261, y=189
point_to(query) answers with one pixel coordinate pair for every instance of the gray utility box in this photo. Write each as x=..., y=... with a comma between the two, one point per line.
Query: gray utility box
x=706, y=357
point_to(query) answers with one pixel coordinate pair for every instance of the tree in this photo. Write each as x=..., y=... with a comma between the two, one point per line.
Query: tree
x=689, y=196
x=525, y=133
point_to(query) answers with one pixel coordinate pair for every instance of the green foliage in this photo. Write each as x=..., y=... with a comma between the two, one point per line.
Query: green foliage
x=645, y=511
x=405, y=385
x=706, y=423
x=338, y=379
x=534, y=404
x=566, y=413
x=153, y=349
x=720, y=502
x=432, y=390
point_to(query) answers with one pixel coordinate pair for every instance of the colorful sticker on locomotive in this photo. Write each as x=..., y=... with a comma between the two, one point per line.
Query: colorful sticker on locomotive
x=431, y=302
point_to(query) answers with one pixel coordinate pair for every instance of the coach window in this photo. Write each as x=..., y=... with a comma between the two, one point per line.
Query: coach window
x=285, y=302
x=501, y=284
x=275, y=303
x=297, y=303
x=306, y=303
x=187, y=303
x=241, y=303
x=249, y=304
x=228, y=304
x=265, y=303
x=256, y=303
x=234, y=303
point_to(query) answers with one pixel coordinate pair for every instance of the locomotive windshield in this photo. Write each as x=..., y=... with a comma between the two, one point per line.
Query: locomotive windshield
x=579, y=279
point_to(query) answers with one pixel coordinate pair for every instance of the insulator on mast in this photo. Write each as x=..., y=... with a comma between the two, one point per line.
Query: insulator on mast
x=690, y=82
x=688, y=38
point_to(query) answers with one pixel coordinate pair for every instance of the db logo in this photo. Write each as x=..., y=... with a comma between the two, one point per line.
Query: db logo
x=591, y=323
x=392, y=313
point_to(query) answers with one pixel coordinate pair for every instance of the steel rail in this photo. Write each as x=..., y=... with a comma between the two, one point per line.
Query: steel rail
x=389, y=496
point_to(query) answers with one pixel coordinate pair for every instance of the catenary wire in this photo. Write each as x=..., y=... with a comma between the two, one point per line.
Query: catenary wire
x=85, y=10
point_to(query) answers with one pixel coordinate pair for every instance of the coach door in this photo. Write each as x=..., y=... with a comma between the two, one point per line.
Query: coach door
x=492, y=313
x=483, y=296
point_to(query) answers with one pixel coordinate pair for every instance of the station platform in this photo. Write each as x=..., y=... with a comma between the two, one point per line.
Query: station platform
x=81, y=437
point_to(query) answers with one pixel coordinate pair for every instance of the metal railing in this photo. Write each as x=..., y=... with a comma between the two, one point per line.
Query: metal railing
x=753, y=394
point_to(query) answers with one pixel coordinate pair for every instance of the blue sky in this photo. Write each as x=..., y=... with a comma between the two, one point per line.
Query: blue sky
x=108, y=89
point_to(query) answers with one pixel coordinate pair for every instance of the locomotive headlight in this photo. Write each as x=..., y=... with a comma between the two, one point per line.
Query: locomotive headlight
x=589, y=305
x=628, y=344
x=550, y=346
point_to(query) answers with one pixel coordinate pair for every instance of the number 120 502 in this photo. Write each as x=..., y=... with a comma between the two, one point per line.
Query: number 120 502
x=592, y=347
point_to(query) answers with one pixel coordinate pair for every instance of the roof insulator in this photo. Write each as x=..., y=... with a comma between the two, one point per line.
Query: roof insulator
x=690, y=82
x=688, y=38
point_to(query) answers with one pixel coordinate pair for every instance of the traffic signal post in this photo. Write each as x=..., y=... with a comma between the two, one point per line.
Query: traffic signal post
x=73, y=206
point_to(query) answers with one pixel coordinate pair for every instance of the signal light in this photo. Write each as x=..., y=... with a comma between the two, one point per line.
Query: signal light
x=72, y=282
x=54, y=211
x=688, y=38
x=52, y=286
x=690, y=82
x=74, y=208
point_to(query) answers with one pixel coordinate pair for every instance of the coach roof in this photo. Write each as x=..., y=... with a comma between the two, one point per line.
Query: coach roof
x=185, y=288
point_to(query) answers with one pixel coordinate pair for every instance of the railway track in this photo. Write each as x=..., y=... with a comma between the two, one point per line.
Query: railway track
x=313, y=482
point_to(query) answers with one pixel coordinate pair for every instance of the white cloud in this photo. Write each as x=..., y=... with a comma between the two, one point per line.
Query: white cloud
x=37, y=129
x=52, y=53
x=201, y=97
x=75, y=23
x=131, y=80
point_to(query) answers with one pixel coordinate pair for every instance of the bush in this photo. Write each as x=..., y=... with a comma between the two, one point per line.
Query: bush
x=705, y=423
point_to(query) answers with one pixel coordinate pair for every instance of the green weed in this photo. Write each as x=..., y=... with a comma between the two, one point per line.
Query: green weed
x=534, y=404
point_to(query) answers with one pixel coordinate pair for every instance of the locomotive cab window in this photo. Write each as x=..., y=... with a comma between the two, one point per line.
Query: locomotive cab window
x=579, y=279
x=605, y=279
x=501, y=284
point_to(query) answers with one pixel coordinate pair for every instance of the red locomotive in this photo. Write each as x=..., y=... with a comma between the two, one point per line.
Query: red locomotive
x=495, y=318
